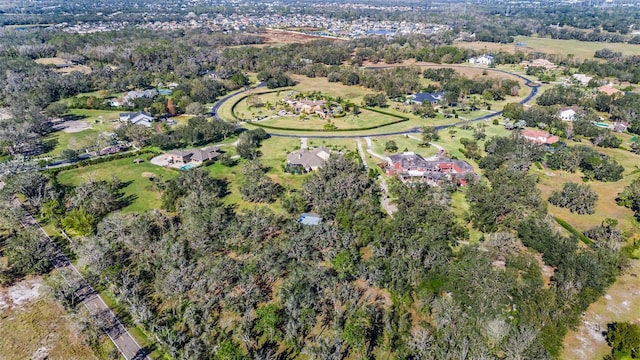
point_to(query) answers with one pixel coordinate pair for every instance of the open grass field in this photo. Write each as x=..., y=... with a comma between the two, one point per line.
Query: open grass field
x=97, y=122
x=404, y=143
x=606, y=206
x=621, y=303
x=366, y=118
x=580, y=49
x=59, y=61
x=40, y=329
x=136, y=175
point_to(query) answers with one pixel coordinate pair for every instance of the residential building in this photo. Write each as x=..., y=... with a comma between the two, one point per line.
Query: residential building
x=306, y=106
x=411, y=167
x=582, y=79
x=609, y=90
x=128, y=99
x=569, y=113
x=539, y=136
x=421, y=98
x=308, y=160
x=539, y=63
x=137, y=118
x=193, y=156
x=482, y=60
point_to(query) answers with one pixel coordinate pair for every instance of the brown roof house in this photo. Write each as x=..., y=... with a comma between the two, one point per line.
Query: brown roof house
x=539, y=136
x=305, y=160
x=179, y=158
x=411, y=167
x=609, y=90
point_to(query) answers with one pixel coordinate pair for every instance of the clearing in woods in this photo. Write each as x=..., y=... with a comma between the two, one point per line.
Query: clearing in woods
x=620, y=303
x=36, y=327
x=580, y=49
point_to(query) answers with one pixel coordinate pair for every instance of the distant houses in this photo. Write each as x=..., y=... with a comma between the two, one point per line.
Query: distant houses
x=539, y=136
x=305, y=160
x=411, y=167
x=137, y=118
x=482, y=60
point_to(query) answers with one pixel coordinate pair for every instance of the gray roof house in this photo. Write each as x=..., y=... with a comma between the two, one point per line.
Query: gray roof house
x=137, y=118
x=309, y=160
x=421, y=98
x=195, y=156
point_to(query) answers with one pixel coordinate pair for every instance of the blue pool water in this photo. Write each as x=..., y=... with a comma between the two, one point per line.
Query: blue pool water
x=602, y=125
x=187, y=166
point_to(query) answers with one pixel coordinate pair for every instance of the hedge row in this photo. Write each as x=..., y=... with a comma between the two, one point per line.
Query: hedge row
x=573, y=231
x=100, y=160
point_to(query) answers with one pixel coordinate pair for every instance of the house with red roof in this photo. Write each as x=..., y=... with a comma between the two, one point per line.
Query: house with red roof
x=539, y=136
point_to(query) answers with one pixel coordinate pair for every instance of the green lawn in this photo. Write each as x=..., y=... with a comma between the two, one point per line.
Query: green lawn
x=366, y=118
x=136, y=175
x=580, y=49
x=99, y=122
x=404, y=143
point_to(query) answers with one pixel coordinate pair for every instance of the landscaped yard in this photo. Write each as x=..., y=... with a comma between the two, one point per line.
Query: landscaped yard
x=136, y=176
x=404, y=143
x=365, y=119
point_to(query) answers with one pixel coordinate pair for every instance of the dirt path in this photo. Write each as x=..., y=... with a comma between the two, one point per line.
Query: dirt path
x=620, y=303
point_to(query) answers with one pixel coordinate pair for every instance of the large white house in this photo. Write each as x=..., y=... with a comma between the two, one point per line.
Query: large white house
x=568, y=114
x=137, y=118
x=482, y=60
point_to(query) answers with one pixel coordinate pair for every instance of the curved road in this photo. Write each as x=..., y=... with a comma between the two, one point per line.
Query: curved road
x=533, y=86
x=216, y=106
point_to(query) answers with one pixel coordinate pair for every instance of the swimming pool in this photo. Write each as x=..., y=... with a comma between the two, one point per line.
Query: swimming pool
x=602, y=125
x=187, y=166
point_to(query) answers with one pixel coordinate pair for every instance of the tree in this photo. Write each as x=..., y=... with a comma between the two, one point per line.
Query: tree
x=578, y=198
x=630, y=197
x=35, y=187
x=69, y=155
x=429, y=134
x=471, y=148
x=390, y=146
x=195, y=108
x=513, y=111
x=29, y=252
x=256, y=185
x=624, y=337
x=56, y=109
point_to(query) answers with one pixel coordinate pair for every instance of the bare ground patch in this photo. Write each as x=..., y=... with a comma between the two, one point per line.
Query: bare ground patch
x=35, y=327
x=73, y=126
x=273, y=36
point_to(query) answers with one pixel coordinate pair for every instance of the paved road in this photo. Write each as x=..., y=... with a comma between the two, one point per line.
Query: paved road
x=216, y=106
x=90, y=298
x=533, y=86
